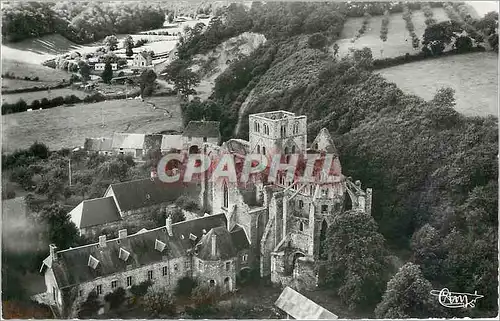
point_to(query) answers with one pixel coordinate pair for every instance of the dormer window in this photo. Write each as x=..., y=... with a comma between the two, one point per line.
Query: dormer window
x=124, y=254
x=159, y=245
x=192, y=237
x=93, y=262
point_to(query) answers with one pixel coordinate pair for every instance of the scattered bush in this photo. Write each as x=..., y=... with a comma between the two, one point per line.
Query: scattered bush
x=71, y=99
x=35, y=104
x=185, y=286
x=141, y=42
x=57, y=101
x=140, y=289
x=90, y=307
x=186, y=203
x=115, y=298
x=158, y=301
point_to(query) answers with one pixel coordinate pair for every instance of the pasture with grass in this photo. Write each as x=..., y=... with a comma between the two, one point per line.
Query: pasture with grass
x=67, y=127
x=475, y=84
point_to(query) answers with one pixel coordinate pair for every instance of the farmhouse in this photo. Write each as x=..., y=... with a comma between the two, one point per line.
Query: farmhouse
x=170, y=142
x=198, y=133
x=100, y=66
x=102, y=146
x=275, y=228
x=128, y=144
x=142, y=60
x=201, y=247
x=91, y=216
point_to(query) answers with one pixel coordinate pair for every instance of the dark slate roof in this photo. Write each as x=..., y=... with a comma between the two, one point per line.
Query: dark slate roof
x=202, y=129
x=196, y=227
x=146, y=192
x=71, y=267
x=225, y=244
x=98, y=144
x=301, y=308
x=95, y=212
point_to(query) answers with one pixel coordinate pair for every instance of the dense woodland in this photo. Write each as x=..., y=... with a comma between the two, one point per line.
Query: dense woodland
x=80, y=22
x=433, y=171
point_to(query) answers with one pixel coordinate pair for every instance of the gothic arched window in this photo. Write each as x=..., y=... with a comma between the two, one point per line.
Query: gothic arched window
x=301, y=226
x=296, y=128
x=263, y=150
x=266, y=129
x=258, y=149
x=293, y=149
x=226, y=195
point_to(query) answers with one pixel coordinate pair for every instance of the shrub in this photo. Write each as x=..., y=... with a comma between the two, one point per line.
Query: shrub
x=115, y=298
x=185, y=286
x=140, y=289
x=44, y=103
x=204, y=294
x=20, y=106
x=90, y=306
x=57, y=101
x=158, y=301
x=71, y=99
x=186, y=203
x=35, y=104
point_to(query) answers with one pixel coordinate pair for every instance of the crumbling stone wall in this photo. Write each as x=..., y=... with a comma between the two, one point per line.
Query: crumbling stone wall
x=205, y=271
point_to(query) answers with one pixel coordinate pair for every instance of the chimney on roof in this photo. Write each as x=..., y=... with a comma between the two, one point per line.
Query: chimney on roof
x=168, y=225
x=52, y=251
x=102, y=241
x=122, y=234
x=214, y=245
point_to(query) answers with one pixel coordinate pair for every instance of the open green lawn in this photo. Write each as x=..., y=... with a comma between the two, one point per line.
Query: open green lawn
x=396, y=44
x=25, y=69
x=28, y=97
x=62, y=127
x=473, y=76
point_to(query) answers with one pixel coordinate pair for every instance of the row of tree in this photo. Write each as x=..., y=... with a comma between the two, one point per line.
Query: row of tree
x=429, y=14
x=415, y=41
x=79, y=22
x=384, y=29
x=364, y=25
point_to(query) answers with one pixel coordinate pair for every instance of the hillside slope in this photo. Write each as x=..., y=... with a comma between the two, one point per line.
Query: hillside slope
x=211, y=65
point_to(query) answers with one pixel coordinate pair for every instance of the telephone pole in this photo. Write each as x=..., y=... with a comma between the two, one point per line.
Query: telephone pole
x=69, y=170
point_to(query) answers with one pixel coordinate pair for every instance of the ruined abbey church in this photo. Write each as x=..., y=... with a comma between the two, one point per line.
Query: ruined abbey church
x=286, y=221
x=277, y=229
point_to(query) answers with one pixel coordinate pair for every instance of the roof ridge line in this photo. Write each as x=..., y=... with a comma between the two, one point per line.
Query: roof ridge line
x=193, y=219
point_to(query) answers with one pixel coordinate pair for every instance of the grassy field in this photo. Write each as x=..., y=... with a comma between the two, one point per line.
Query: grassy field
x=473, y=76
x=28, y=97
x=25, y=69
x=69, y=126
x=38, y=50
x=398, y=39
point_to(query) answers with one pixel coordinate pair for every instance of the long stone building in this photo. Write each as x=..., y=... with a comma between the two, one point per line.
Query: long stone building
x=274, y=228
